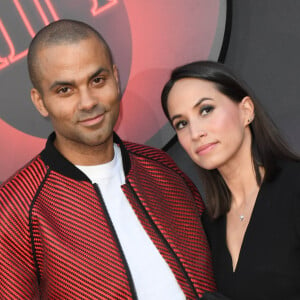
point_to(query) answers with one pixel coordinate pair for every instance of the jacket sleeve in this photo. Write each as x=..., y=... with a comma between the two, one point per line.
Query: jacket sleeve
x=18, y=278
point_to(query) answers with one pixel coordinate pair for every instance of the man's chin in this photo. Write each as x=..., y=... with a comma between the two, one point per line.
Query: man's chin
x=98, y=140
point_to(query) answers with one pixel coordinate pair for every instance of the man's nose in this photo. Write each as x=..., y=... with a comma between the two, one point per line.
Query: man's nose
x=87, y=100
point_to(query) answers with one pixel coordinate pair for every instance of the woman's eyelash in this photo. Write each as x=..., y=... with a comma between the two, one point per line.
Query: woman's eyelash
x=206, y=109
x=180, y=125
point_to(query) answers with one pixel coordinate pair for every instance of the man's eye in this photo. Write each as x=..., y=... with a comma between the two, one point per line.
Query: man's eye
x=97, y=81
x=206, y=110
x=63, y=90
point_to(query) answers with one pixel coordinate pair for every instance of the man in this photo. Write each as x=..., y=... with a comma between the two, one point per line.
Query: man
x=93, y=217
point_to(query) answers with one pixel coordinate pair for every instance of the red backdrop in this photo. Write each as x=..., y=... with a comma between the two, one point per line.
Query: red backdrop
x=148, y=39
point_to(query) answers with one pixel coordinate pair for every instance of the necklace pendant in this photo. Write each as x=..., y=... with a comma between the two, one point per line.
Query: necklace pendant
x=242, y=217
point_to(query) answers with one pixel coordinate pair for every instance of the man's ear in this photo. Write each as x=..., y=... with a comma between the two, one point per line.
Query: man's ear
x=38, y=102
x=116, y=73
x=116, y=76
x=247, y=108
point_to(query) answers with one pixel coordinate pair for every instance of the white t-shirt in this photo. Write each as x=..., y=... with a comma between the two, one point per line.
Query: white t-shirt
x=152, y=276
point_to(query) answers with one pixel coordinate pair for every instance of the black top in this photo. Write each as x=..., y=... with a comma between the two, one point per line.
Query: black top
x=269, y=261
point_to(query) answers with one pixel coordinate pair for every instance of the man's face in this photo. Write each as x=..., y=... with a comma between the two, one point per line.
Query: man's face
x=80, y=94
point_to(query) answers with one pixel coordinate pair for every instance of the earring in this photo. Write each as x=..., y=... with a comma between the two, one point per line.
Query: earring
x=250, y=119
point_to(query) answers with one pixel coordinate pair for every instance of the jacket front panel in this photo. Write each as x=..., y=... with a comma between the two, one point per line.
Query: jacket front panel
x=169, y=213
x=77, y=253
x=71, y=249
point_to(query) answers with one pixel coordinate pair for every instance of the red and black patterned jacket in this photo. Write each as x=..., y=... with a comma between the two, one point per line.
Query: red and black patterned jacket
x=57, y=241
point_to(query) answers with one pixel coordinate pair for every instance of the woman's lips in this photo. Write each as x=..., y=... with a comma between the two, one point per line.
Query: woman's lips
x=205, y=148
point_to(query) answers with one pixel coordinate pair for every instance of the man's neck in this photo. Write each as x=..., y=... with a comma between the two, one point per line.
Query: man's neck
x=86, y=155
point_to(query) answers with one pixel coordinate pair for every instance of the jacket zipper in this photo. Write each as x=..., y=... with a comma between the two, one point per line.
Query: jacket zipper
x=128, y=273
x=163, y=239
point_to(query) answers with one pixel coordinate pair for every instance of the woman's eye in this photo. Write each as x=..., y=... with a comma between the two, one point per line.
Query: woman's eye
x=206, y=110
x=179, y=125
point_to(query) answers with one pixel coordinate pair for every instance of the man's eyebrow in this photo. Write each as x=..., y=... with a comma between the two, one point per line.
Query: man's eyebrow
x=99, y=71
x=72, y=82
x=59, y=83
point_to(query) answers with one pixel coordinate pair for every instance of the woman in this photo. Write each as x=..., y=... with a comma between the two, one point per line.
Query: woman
x=250, y=178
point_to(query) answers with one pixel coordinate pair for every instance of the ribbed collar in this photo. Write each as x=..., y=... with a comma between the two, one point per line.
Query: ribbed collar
x=57, y=162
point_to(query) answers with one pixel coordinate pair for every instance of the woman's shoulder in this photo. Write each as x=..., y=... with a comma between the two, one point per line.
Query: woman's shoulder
x=287, y=177
x=289, y=168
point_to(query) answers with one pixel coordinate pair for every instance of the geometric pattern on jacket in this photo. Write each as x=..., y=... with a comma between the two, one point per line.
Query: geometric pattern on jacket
x=57, y=240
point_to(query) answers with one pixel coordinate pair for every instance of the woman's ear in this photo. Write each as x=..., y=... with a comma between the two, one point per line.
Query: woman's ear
x=38, y=102
x=247, y=108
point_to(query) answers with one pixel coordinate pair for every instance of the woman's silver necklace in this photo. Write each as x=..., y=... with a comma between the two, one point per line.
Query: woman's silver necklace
x=246, y=206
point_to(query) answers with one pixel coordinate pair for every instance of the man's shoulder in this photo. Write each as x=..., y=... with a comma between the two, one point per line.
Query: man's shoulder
x=141, y=148
x=17, y=194
x=157, y=157
x=162, y=161
x=149, y=152
x=29, y=174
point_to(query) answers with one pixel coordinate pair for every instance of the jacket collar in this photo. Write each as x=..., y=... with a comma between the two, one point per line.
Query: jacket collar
x=57, y=162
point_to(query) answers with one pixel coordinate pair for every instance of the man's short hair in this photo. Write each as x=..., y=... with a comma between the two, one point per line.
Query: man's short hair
x=63, y=31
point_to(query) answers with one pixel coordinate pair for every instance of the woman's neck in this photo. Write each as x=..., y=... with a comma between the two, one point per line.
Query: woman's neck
x=241, y=181
x=239, y=173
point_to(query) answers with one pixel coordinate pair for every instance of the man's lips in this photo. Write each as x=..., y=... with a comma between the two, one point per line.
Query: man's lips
x=92, y=121
x=205, y=148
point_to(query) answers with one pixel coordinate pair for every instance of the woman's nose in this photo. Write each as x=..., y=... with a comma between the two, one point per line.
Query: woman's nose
x=197, y=131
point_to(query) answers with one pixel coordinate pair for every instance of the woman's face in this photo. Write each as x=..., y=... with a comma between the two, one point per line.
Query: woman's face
x=211, y=128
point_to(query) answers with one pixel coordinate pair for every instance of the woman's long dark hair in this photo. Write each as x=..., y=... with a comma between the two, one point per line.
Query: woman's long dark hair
x=267, y=144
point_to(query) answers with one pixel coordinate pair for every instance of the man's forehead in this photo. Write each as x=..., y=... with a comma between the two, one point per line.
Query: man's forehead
x=69, y=62
x=69, y=44
x=68, y=54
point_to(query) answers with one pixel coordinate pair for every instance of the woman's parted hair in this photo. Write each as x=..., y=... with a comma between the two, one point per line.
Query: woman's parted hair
x=267, y=144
